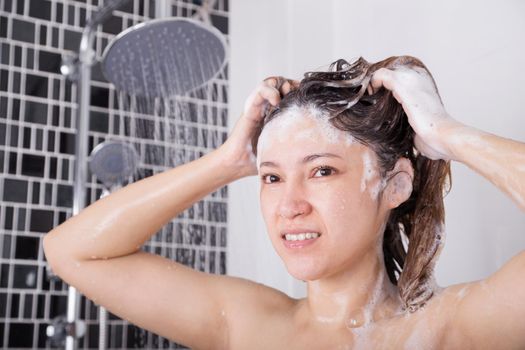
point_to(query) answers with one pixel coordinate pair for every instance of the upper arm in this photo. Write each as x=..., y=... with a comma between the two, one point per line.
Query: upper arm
x=156, y=294
x=491, y=314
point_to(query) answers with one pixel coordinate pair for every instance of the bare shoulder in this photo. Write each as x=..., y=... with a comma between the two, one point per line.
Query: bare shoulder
x=487, y=313
x=247, y=300
x=255, y=313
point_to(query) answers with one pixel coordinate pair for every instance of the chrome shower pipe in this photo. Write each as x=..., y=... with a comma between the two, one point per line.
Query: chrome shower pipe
x=86, y=59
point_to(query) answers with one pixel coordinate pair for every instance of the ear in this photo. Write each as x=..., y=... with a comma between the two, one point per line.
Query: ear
x=398, y=183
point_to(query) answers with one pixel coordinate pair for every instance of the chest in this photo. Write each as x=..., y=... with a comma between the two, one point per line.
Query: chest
x=416, y=333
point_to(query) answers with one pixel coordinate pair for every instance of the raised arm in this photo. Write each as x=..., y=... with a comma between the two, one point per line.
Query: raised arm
x=491, y=311
x=439, y=136
x=97, y=251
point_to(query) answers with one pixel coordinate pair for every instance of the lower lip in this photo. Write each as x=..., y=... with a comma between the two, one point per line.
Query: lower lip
x=299, y=244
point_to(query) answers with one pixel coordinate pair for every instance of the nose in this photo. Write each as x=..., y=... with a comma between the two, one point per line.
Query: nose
x=293, y=203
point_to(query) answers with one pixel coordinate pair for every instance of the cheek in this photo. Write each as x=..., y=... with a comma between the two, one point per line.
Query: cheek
x=268, y=200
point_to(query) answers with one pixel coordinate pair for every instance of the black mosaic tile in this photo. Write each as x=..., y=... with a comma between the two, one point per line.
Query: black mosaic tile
x=3, y=304
x=6, y=249
x=20, y=7
x=15, y=190
x=43, y=35
x=58, y=306
x=4, y=275
x=48, y=194
x=67, y=143
x=21, y=225
x=213, y=236
x=3, y=26
x=30, y=58
x=15, y=82
x=8, y=218
x=4, y=53
x=53, y=168
x=62, y=216
x=39, y=140
x=64, y=196
x=27, y=138
x=49, y=61
x=65, y=170
x=41, y=305
x=36, y=112
x=13, y=142
x=185, y=256
x=33, y=165
x=23, y=30
x=3, y=128
x=54, y=37
x=15, y=300
x=223, y=237
x=99, y=96
x=211, y=261
x=71, y=15
x=56, y=89
x=25, y=277
x=72, y=40
x=12, y=163
x=18, y=335
x=36, y=85
x=44, y=285
x=41, y=220
x=3, y=104
x=82, y=16
x=113, y=25
x=4, y=80
x=197, y=234
x=222, y=263
x=217, y=212
x=59, y=12
x=40, y=9
x=28, y=306
x=96, y=72
x=36, y=193
x=55, y=115
x=16, y=109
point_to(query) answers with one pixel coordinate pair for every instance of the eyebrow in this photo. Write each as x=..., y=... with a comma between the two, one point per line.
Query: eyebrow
x=306, y=159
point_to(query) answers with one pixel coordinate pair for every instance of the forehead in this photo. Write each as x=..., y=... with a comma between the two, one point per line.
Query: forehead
x=299, y=131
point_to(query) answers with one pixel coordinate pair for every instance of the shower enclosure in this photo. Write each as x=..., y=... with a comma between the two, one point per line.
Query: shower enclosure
x=157, y=61
x=164, y=131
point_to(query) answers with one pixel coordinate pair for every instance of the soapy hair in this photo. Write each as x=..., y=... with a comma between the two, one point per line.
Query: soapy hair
x=379, y=122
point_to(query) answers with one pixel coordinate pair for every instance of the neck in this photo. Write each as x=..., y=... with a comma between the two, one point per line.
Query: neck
x=354, y=298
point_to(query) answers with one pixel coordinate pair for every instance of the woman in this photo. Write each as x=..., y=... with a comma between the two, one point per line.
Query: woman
x=337, y=205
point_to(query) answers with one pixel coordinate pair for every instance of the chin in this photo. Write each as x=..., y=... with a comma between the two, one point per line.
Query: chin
x=304, y=269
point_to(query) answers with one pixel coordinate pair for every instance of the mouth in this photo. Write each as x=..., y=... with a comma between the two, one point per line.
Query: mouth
x=299, y=238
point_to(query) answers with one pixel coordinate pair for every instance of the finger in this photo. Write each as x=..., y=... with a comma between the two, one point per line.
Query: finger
x=262, y=94
x=383, y=77
x=289, y=85
x=270, y=94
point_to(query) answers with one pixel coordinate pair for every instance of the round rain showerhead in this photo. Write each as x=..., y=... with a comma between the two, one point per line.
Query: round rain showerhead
x=164, y=57
x=113, y=162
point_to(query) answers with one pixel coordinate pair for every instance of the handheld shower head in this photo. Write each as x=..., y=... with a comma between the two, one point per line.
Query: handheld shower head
x=164, y=57
x=113, y=162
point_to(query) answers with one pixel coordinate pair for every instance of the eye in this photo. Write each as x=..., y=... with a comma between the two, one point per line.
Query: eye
x=324, y=171
x=270, y=178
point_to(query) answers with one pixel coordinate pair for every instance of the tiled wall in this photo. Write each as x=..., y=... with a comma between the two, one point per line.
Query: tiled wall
x=37, y=135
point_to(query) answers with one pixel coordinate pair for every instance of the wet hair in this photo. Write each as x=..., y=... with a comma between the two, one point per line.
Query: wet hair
x=378, y=121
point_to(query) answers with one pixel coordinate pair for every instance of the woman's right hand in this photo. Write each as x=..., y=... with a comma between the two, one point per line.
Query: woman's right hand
x=237, y=150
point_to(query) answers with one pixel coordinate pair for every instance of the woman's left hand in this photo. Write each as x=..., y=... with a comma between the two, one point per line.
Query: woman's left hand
x=415, y=90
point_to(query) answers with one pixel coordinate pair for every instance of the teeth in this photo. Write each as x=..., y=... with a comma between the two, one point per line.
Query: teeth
x=301, y=236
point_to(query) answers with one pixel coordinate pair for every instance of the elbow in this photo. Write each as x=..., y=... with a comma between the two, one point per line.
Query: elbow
x=49, y=250
x=53, y=251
